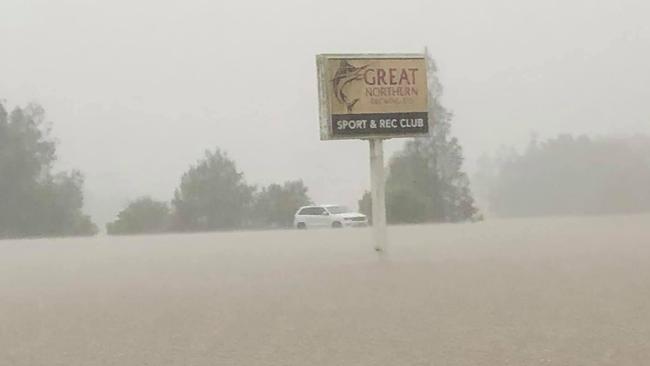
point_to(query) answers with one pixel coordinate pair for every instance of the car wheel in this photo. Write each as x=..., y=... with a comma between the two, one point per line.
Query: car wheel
x=301, y=226
x=337, y=225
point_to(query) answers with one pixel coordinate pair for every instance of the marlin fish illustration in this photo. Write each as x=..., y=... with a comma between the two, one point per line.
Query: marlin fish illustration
x=345, y=74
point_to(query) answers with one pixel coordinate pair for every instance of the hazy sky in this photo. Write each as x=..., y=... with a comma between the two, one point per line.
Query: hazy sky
x=138, y=89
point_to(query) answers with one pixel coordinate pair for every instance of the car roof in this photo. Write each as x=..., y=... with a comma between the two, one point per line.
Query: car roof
x=325, y=205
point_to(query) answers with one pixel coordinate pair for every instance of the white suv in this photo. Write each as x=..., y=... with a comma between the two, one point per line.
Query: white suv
x=328, y=216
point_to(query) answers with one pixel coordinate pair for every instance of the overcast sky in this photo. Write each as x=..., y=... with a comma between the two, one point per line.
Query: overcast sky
x=138, y=89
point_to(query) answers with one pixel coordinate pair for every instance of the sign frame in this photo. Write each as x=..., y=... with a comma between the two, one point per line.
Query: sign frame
x=325, y=102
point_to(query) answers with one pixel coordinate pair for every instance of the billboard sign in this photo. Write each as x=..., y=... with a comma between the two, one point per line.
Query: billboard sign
x=372, y=96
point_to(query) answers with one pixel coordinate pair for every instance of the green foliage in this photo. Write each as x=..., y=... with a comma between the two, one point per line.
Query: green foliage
x=213, y=195
x=568, y=175
x=142, y=216
x=276, y=204
x=413, y=188
x=426, y=182
x=33, y=200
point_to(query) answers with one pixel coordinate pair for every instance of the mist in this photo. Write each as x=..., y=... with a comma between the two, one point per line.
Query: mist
x=166, y=198
x=137, y=90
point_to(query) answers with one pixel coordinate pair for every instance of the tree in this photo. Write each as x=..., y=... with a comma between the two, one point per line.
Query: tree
x=276, y=204
x=34, y=201
x=365, y=205
x=426, y=182
x=212, y=195
x=142, y=216
x=60, y=206
x=569, y=175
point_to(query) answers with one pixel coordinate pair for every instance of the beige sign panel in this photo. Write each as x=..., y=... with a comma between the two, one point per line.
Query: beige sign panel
x=366, y=96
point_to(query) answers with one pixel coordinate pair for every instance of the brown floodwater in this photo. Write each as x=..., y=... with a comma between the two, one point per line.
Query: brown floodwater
x=543, y=291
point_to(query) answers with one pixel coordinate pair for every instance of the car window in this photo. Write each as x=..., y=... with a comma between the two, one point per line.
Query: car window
x=338, y=209
x=311, y=211
x=304, y=211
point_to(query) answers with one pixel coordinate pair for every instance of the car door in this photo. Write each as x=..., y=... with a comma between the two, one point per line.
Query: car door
x=306, y=216
x=310, y=217
x=320, y=217
x=302, y=216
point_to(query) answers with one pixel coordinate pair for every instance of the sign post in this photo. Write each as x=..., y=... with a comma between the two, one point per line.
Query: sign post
x=378, y=194
x=373, y=97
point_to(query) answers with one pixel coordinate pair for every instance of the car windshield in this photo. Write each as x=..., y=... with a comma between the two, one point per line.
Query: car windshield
x=337, y=209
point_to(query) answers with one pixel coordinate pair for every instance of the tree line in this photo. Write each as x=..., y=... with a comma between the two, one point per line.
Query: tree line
x=568, y=175
x=214, y=195
x=34, y=199
x=425, y=184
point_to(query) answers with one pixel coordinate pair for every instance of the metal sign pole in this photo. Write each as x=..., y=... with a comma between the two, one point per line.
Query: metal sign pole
x=378, y=194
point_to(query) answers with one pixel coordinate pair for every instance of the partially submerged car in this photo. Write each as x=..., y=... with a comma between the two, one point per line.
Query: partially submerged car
x=335, y=216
